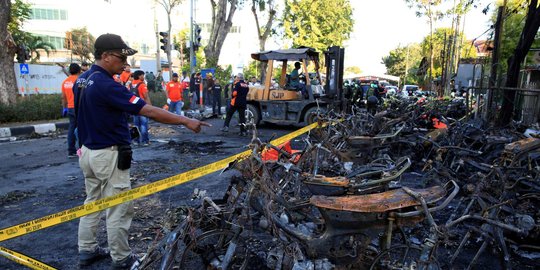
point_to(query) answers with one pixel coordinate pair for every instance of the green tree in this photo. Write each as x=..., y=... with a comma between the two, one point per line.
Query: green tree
x=441, y=36
x=527, y=37
x=81, y=43
x=13, y=14
x=179, y=42
x=36, y=44
x=317, y=23
x=403, y=62
x=353, y=70
x=251, y=70
x=428, y=9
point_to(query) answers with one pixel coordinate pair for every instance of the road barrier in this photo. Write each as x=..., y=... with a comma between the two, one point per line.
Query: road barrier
x=108, y=202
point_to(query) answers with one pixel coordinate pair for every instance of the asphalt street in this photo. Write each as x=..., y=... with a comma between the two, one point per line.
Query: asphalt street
x=37, y=179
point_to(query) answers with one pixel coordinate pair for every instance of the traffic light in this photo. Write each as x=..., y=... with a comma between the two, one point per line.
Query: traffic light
x=23, y=54
x=196, y=37
x=164, y=41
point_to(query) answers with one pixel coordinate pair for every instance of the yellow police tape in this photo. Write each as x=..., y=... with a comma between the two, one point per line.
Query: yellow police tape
x=24, y=260
x=142, y=191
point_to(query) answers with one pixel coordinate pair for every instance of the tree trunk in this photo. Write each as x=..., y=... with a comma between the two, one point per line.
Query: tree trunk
x=221, y=24
x=532, y=24
x=8, y=82
x=431, y=67
x=263, y=33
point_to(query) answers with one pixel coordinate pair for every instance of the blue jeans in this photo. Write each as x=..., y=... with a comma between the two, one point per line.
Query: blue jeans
x=142, y=123
x=71, y=133
x=176, y=107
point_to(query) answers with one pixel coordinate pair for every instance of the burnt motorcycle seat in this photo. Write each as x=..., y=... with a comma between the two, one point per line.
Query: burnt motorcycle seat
x=322, y=180
x=378, y=202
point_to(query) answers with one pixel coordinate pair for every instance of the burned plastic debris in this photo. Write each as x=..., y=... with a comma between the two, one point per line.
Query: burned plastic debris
x=409, y=188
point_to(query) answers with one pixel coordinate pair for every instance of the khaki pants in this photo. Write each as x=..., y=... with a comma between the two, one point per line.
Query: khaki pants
x=104, y=179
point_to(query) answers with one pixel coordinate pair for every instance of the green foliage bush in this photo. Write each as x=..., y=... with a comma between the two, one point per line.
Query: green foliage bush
x=48, y=107
x=32, y=108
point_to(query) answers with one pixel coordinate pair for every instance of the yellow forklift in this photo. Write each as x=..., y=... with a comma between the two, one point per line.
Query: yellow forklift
x=281, y=103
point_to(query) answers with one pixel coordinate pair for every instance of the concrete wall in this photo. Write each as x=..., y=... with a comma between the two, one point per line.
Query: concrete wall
x=42, y=79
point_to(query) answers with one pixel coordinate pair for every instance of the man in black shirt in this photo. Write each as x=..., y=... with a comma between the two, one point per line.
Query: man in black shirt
x=238, y=103
x=216, y=99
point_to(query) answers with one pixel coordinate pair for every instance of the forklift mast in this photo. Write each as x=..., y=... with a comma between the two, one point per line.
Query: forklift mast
x=334, y=72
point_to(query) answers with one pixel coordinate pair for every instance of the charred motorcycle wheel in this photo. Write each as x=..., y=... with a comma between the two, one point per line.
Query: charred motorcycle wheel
x=311, y=115
x=252, y=115
x=209, y=249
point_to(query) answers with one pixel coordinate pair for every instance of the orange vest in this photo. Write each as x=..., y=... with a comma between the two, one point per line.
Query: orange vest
x=67, y=90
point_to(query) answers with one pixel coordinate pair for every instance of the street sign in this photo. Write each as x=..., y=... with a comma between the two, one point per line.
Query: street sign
x=205, y=71
x=24, y=69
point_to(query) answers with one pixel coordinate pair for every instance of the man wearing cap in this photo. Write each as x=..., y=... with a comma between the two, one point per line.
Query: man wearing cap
x=238, y=103
x=174, y=95
x=102, y=107
x=69, y=106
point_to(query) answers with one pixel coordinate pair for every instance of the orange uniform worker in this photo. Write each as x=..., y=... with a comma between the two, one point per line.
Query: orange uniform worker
x=174, y=91
x=69, y=106
x=139, y=89
x=124, y=76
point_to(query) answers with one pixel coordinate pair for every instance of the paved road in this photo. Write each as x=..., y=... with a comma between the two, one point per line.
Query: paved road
x=37, y=179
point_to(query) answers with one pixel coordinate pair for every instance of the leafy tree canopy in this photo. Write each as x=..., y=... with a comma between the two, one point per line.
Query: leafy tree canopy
x=353, y=70
x=402, y=59
x=20, y=12
x=440, y=36
x=81, y=43
x=317, y=23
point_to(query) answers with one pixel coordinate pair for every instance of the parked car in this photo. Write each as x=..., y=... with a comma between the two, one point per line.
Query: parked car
x=409, y=89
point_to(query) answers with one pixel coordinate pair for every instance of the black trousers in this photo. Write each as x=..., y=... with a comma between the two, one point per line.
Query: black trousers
x=241, y=114
x=216, y=102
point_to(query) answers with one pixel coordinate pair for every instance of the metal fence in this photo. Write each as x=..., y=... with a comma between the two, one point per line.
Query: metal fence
x=526, y=103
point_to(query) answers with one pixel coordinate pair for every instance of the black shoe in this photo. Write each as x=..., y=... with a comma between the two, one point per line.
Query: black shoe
x=225, y=129
x=87, y=258
x=73, y=155
x=129, y=262
x=243, y=133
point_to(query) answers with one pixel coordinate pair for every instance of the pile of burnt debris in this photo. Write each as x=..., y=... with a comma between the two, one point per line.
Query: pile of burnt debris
x=409, y=188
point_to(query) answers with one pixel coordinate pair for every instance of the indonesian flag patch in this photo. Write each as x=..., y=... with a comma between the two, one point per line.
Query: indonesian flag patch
x=133, y=99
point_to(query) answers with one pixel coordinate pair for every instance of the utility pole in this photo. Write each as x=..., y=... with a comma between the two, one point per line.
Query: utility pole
x=192, y=57
x=158, y=56
x=494, y=62
x=406, y=66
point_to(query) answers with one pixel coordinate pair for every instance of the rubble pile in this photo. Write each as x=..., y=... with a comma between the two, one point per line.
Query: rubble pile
x=416, y=186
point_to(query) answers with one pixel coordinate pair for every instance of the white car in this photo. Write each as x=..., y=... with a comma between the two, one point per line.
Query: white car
x=391, y=90
x=409, y=89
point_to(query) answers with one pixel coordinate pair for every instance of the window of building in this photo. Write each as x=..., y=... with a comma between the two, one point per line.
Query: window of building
x=57, y=42
x=48, y=14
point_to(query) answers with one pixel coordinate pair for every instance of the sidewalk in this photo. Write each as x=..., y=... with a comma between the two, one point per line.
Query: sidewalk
x=22, y=129
x=43, y=127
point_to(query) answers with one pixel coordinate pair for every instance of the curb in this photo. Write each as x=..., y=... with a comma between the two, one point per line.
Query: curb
x=27, y=130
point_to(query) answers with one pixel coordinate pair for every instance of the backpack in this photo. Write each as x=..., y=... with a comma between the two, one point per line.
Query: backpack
x=135, y=89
